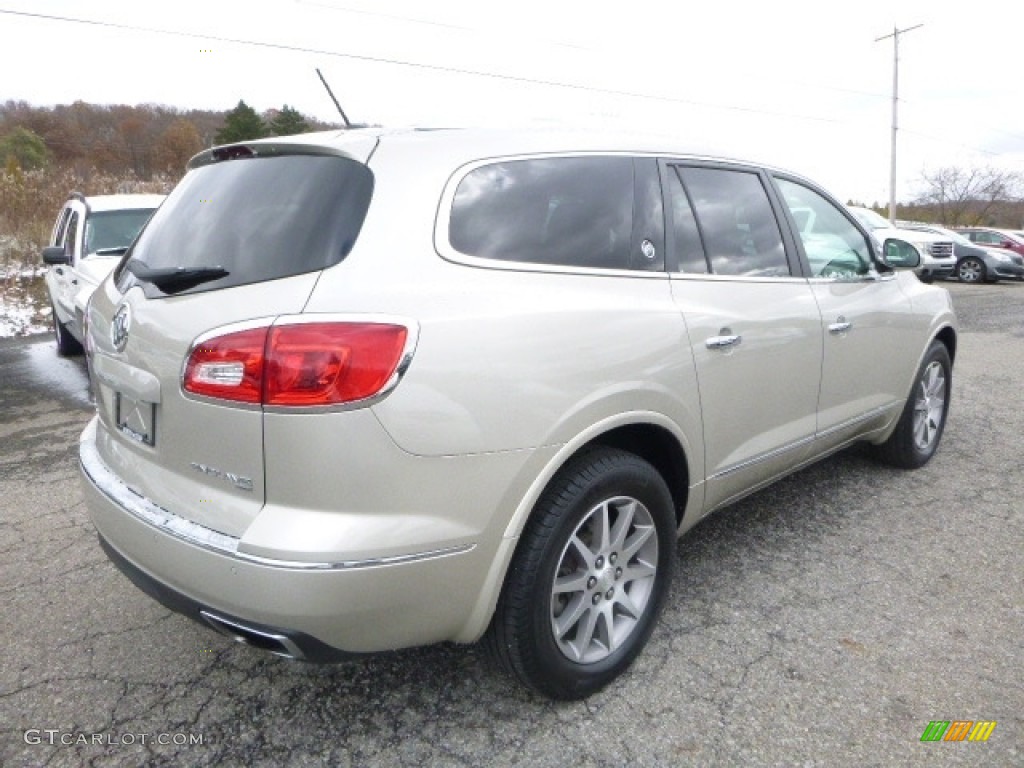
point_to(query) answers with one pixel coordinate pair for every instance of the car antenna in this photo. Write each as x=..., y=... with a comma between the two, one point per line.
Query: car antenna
x=331, y=94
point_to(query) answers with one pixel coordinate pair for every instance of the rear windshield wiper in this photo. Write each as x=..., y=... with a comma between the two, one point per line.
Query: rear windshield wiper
x=175, y=279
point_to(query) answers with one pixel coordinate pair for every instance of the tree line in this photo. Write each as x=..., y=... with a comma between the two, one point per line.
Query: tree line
x=141, y=140
x=150, y=141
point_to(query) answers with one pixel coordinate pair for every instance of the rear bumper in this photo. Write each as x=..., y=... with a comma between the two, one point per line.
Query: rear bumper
x=314, y=611
x=279, y=641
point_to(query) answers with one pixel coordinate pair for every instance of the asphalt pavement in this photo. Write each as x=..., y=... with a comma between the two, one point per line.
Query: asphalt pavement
x=825, y=621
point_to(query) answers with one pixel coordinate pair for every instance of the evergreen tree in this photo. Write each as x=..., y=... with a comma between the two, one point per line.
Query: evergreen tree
x=24, y=148
x=288, y=122
x=241, y=124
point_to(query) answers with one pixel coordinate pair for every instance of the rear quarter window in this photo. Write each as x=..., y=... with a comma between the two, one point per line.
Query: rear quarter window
x=259, y=218
x=567, y=211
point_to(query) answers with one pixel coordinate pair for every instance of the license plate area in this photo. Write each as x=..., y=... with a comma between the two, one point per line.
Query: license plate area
x=136, y=419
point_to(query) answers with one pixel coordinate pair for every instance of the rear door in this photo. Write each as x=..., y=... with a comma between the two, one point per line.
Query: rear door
x=240, y=242
x=753, y=324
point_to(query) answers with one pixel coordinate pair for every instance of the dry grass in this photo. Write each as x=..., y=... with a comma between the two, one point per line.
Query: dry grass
x=31, y=200
x=29, y=204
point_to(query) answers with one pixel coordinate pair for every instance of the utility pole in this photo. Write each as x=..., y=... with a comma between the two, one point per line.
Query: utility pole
x=895, y=101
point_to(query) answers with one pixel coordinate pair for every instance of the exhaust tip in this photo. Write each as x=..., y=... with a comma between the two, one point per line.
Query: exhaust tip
x=273, y=642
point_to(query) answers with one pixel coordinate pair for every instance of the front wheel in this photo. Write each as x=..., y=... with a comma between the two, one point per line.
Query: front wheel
x=588, y=578
x=917, y=435
x=971, y=270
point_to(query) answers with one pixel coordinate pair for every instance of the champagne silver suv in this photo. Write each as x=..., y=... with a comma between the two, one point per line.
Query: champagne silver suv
x=367, y=390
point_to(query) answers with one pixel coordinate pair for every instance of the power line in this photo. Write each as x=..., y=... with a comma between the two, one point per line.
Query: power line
x=558, y=43
x=950, y=142
x=465, y=71
x=418, y=65
x=419, y=20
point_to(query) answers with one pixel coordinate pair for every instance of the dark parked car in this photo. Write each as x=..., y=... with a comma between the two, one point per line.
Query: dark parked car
x=995, y=238
x=975, y=263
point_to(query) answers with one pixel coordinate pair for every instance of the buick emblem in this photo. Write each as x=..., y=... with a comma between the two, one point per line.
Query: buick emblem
x=120, y=326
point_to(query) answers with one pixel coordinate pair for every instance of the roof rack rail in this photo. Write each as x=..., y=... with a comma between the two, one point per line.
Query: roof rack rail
x=81, y=198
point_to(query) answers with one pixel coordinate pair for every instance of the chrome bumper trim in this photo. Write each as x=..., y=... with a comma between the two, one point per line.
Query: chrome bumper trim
x=107, y=483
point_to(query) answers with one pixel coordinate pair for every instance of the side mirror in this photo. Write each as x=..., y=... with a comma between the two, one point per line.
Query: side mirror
x=55, y=254
x=900, y=254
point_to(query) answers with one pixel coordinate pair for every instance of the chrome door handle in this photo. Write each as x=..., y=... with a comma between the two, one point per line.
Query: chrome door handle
x=723, y=342
x=841, y=325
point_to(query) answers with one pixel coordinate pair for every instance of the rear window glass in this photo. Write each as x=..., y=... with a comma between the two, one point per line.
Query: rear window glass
x=259, y=218
x=570, y=211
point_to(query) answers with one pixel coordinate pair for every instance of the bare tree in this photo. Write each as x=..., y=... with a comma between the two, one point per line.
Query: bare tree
x=179, y=141
x=969, y=196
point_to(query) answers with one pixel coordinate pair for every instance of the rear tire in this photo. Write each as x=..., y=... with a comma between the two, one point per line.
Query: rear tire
x=67, y=345
x=588, y=578
x=919, y=430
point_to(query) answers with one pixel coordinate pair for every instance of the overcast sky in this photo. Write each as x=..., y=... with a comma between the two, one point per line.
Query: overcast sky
x=799, y=84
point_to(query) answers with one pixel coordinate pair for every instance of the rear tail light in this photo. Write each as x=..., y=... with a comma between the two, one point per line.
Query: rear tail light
x=300, y=364
x=229, y=367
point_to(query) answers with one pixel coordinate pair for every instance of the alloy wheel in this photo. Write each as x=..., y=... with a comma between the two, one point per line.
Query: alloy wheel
x=604, y=580
x=971, y=271
x=930, y=405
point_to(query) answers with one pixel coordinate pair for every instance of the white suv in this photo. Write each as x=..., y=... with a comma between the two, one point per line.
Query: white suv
x=366, y=390
x=937, y=257
x=89, y=238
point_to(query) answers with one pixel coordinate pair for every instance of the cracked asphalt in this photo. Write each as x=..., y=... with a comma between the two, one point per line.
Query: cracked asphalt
x=822, y=622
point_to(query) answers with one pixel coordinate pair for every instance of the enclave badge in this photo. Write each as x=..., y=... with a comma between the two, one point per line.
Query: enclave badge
x=120, y=326
x=239, y=481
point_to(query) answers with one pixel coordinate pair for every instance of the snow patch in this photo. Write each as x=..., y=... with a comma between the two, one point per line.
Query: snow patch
x=24, y=306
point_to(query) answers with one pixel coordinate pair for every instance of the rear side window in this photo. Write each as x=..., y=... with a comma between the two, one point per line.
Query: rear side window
x=568, y=211
x=71, y=234
x=62, y=223
x=740, y=232
x=259, y=218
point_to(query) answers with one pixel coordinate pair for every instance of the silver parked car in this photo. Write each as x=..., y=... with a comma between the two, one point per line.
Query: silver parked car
x=367, y=390
x=938, y=259
x=977, y=263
